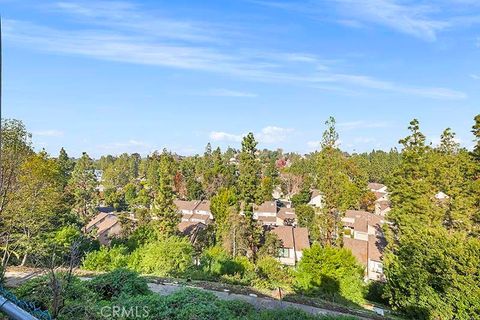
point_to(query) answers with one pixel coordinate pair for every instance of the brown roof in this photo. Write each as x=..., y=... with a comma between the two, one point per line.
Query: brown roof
x=376, y=246
x=287, y=234
x=267, y=206
x=204, y=205
x=107, y=224
x=358, y=248
x=96, y=220
x=363, y=219
x=375, y=186
x=379, y=194
x=185, y=205
x=287, y=213
x=187, y=226
x=268, y=219
x=315, y=192
x=202, y=217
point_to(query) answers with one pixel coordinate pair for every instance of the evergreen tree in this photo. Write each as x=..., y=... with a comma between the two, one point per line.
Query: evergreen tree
x=163, y=205
x=249, y=173
x=82, y=186
x=66, y=166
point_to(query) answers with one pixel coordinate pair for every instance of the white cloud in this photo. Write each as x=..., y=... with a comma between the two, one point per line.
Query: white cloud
x=131, y=145
x=363, y=140
x=267, y=135
x=48, y=133
x=475, y=76
x=272, y=134
x=224, y=136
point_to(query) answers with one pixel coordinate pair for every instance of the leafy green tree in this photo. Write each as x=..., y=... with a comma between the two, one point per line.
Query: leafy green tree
x=332, y=273
x=340, y=182
x=476, y=134
x=37, y=202
x=305, y=216
x=82, y=185
x=221, y=205
x=301, y=198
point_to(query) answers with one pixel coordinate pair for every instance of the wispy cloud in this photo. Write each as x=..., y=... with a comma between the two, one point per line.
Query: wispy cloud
x=131, y=145
x=422, y=20
x=48, y=133
x=104, y=34
x=475, y=76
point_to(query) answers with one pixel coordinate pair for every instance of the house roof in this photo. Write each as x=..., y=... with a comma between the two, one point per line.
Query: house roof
x=108, y=223
x=287, y=213
x=376, y=247
x=358, y=248
x=315, y=193
x=363, y=219
x=201, y=217
x=96, y=219
x=267, y=219
x=375, y=186
x=379, y=194
x=203, y=205
x=290, y=235
x=267, y=206
x=185, y=205
x=187, y=226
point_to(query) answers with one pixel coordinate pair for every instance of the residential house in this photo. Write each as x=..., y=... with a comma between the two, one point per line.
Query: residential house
x=294, y=241
x=107, y=226
x=266, y=213
x=382, y=203
x=316, y=199
x=363, y=235
x=377, y=187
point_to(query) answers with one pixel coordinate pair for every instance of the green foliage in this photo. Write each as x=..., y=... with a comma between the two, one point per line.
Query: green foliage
x=301, y=198
x=330, y=272
x=305, y=216
x=82, y=186
x=442, y=277
x=118, y=282
x=168, y=257
x=106, y=259
x=272, y=274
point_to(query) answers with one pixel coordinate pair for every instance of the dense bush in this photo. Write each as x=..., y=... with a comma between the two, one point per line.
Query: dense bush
x=169, y=257
x=118, y=282
x=106, y=259
x=331, y=273
x=272, y=274
x=126, y=293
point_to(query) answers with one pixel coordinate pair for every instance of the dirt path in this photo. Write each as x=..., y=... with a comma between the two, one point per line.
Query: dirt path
x=257, y=302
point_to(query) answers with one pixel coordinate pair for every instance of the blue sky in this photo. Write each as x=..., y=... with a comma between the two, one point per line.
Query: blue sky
x=135, y=76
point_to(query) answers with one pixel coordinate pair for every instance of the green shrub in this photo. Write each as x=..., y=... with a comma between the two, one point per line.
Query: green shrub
x=272, y=274
x=375, y=292
x=331, y=273
x=106, y=259
x=172, y=256
x=118, y=282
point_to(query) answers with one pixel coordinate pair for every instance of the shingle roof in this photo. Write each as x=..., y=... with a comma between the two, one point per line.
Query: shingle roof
x=96, y=220
x=186, y=205
x=358, y=248
x=287, y=234
x=107, y=224
x=363, y=219
x=287, y=213
x=267, y=206
x=375, y=186
x=203, y=205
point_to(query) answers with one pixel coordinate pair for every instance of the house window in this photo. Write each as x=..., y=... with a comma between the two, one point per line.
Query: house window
x=284, y=253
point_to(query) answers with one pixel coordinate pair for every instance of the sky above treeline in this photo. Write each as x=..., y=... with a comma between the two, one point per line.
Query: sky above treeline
x=135, y=76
